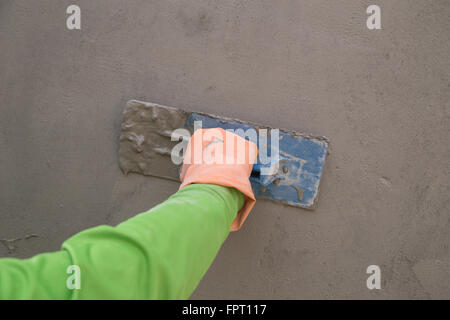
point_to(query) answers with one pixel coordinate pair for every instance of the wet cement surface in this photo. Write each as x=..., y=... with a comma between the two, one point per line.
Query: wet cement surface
x=145, y=143
x=381, y=97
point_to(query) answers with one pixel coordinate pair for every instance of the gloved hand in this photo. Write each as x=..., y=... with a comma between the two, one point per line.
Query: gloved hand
x=216, y=156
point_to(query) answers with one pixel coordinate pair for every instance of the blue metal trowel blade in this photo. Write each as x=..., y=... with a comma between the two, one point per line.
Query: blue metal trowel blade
x=299, y=165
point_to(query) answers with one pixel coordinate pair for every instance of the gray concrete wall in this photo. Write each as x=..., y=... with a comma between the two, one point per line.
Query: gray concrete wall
x=381, y=97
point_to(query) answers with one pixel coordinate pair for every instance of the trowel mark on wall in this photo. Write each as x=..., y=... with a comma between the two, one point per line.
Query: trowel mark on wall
x=10, y=243
x=195, y=23
x=386, y=181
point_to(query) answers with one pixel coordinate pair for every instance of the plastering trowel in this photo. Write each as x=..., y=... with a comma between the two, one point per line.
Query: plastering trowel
x=289, y=165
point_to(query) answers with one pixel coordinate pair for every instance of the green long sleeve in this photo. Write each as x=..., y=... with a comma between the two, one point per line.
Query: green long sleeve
x=159, y=254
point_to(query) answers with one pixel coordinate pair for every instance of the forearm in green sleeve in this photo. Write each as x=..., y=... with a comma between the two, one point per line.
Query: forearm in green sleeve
x=159, y=254
x=41, y=277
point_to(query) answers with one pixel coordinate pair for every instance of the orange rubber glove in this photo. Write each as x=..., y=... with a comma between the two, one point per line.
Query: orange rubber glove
x=216, y=156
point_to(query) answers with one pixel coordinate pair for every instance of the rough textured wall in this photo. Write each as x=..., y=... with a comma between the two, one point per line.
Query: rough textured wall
x=381, y=97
